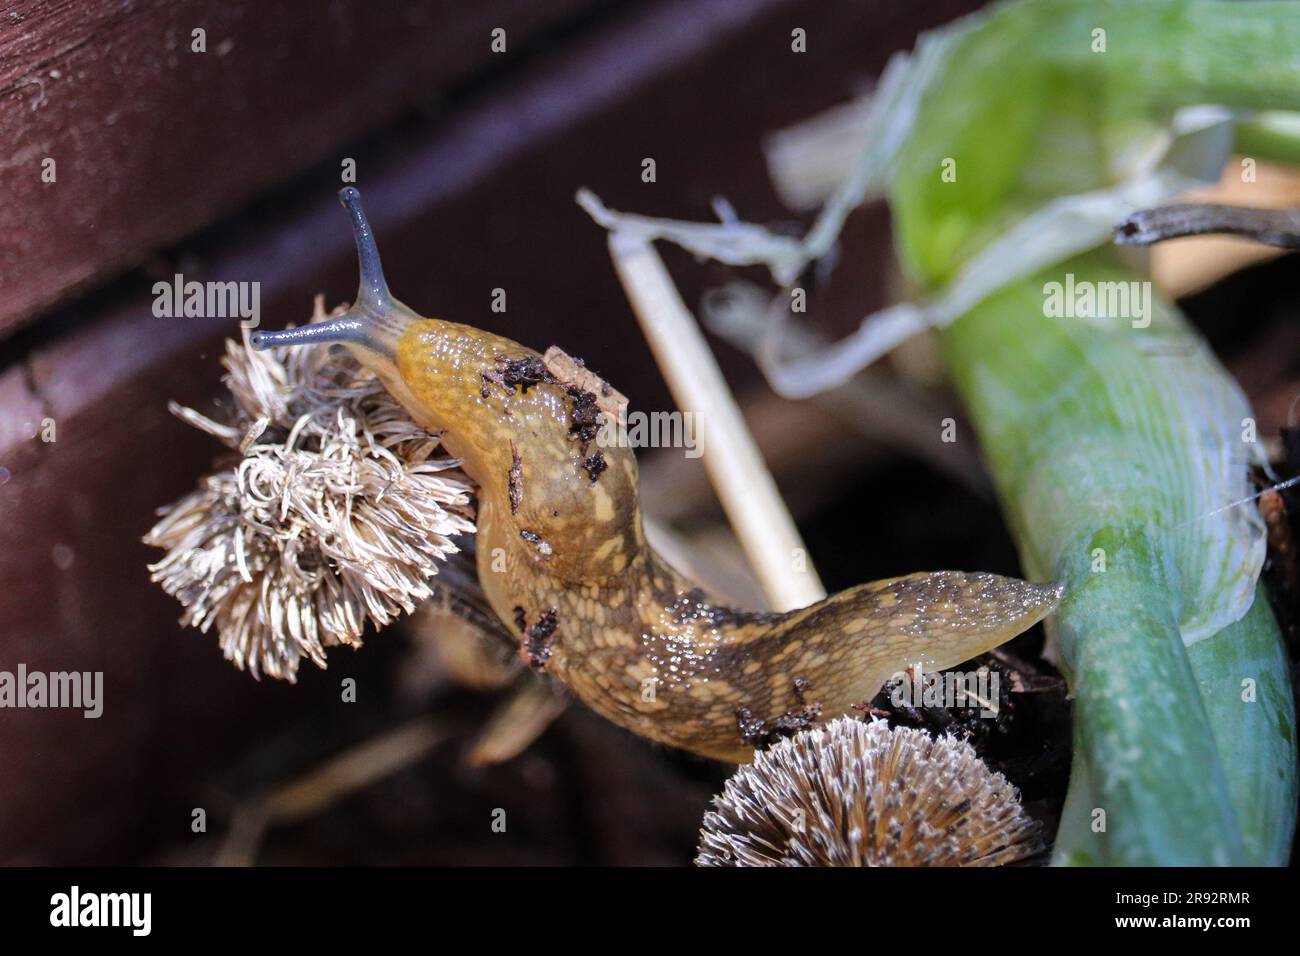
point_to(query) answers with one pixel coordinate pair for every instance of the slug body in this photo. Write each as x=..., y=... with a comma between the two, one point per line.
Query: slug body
x=563, y=557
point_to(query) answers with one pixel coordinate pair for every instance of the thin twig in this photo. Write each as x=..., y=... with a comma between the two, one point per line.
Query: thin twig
x=740, y=477
x=517, y=723
x=1275, y=227
x=338, y=777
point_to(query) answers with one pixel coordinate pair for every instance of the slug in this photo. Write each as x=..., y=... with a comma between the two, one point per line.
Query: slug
x=564, y=561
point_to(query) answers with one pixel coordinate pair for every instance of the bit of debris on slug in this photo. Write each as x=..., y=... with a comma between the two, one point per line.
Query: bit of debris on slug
x=801, y=685
x=585, y=413
x=543, y=546
x=524, y=372
x=573, y=371
x=752, y=729
x=487, y=380
x=515, y=479
x=762, y=733
x=594, y=465
x=521, y=621
x=538, y=640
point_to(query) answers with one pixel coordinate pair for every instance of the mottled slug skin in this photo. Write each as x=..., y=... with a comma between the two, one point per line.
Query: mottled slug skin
x=633, y=639
x=565, y=555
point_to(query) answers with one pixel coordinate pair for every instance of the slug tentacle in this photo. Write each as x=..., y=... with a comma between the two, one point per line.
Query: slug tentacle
x=563, y=557
x=376, y=320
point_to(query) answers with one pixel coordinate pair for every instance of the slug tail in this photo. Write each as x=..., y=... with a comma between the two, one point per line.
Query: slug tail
x=937, y=619
x=839, y=652
x=375, y=321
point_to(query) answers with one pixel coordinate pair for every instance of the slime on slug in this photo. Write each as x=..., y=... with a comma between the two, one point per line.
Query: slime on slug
x=592, y=602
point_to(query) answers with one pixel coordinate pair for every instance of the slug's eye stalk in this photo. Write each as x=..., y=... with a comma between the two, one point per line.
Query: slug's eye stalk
x=373, y=290
x=376, y=319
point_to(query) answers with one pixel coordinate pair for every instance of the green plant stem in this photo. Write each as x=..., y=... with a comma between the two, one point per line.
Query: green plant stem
x=1051, y=398
x=1243, y=678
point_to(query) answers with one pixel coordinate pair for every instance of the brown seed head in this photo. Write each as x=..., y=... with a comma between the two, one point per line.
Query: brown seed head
x=853, y=793
x=336, y=513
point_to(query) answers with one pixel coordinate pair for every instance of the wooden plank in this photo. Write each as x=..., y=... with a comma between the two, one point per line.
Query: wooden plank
x=151, y=139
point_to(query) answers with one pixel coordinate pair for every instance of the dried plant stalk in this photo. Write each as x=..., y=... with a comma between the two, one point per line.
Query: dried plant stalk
x=337, y=514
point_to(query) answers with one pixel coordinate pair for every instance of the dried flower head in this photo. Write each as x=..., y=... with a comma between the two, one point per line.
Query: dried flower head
x=853, y=793
x=337, y=513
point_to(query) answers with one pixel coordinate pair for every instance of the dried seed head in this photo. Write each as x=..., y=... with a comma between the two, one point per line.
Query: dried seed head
x=337, y=513
x=853, y=793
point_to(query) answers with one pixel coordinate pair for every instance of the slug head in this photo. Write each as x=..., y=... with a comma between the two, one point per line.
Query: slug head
x=374, y=324
x=517, y=429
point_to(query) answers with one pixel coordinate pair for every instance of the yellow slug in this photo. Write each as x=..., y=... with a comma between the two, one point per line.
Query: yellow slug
x=563, y=558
